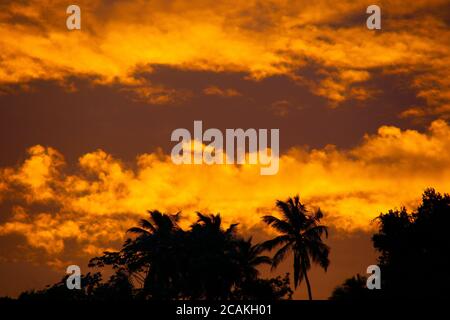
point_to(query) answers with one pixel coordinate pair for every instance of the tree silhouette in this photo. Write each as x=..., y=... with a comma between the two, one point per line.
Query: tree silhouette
x=414, y=252
x=161, y=260
x=118, y=288
x=249, y=258
x=415, y=249
x=264, y=289
x=154, y=253
x=352, y=289
x=301, y=234
x=207, y=261
x=211, y=268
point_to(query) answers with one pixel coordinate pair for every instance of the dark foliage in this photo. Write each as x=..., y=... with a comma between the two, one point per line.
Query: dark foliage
x=301, y=234
x=414, y=253
x=162, y=261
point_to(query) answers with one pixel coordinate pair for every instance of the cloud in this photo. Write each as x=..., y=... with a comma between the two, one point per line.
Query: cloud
x=258, y=38
x=94, y=203
x=144, y=91
x=216, y=91
x=281, y=107
x=340, y=86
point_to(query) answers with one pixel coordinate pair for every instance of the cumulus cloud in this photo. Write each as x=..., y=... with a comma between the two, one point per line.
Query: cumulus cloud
x=94, y=203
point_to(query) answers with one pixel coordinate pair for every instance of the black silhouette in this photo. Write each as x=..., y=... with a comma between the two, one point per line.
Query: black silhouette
x=118, y=288
x=414, y=253
x=301, y=234
x=162, y=261
x=352, y=289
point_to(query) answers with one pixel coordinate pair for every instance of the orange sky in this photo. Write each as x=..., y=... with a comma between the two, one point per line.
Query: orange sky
x=86, y=116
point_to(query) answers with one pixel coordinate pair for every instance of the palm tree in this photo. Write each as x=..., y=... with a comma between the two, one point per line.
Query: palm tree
x=249, y=257
x=159, y=223
x=211, y=269
x=155, y=252
x=301, y=234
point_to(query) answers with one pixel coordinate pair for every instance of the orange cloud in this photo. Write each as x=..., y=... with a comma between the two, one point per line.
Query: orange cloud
x=258, y=38
x=155, y=94
x=281, y=108
x=216, y=91
x=103, y=197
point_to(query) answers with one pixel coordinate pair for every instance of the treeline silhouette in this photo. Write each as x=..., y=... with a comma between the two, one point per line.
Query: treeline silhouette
x=161, y=260
x=414, y=255
x=206, y=261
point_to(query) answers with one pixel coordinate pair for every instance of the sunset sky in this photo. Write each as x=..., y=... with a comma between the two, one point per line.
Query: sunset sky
x=86, y=118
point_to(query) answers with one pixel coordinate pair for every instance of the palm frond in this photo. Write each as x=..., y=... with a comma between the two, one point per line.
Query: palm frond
x=147, y=225
x=319, y=252
x=261, y=260
x=232, y=228
x=280, y=255
x=316, y=232
x=272, y=243
x=285, y=208
x=138, y=230
x=280, y=225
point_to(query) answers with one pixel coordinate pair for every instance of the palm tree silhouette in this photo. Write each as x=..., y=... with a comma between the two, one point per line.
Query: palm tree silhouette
x=211, y=265
x=207, y=261
x=159, y=223
x=155, y=249
x=301, y=234
x=249, y=258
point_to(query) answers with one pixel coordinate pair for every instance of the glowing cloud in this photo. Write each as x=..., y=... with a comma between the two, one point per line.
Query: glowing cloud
x=96, y=204
x=277, y=38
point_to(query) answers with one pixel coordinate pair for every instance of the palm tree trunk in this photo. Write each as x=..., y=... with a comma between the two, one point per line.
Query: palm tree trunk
x=308, y=286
